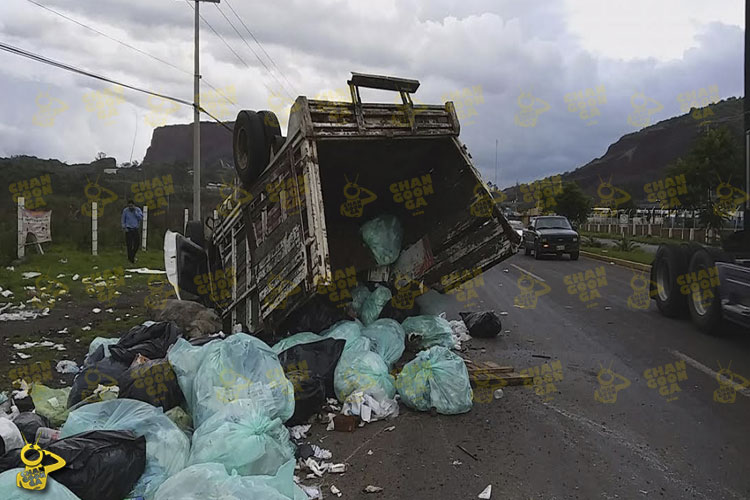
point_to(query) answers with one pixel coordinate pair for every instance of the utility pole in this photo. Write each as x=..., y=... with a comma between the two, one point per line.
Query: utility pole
x=197, y=118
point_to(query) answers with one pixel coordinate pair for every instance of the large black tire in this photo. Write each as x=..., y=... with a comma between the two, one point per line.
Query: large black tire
x=705, y=305
x=526, y=249
x=574, y=256
x=250, y=148
x=669, y=263
x=537, y=253
x=271, y=127
x=194, y=232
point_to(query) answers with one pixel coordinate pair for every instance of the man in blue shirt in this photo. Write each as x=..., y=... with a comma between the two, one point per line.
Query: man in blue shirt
x=131, y=223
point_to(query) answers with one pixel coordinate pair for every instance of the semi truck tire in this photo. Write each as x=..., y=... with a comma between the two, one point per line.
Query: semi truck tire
x=250, y=148
x=704, y=302
x=669, y=263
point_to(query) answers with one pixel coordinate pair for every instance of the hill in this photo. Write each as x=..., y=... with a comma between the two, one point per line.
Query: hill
x=172, y=144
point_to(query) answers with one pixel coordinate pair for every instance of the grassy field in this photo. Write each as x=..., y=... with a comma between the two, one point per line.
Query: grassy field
x=653, y=240
x=633, y=255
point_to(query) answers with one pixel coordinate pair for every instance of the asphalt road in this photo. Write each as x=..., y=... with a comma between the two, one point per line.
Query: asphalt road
x=543, y=442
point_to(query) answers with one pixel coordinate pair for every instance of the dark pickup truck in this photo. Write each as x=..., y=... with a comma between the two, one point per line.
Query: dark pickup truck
x=551, y=235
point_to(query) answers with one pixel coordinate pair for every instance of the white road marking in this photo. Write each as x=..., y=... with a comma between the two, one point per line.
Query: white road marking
x=714, y=375
x=528, y=272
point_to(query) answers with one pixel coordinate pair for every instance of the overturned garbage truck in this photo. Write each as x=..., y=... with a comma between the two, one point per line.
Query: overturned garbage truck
x=321, y=211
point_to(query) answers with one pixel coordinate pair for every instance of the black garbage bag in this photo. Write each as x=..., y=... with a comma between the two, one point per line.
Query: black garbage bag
x=153, y=382
x=150, y=341
x=106, y=372
x=315, y=315
x=309, y=396
x=485, y=324
x=316, y=360
x=28, y=423
x=99, y=465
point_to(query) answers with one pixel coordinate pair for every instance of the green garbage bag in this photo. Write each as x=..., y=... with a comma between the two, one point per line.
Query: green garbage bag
x=436, y=378
x=359, y=295
x=362, y=371
x=383, y=236
x=242, y=437
x=374, y=304
x=432, y=330
x=240, y=367
x=53, y=490
x=296, y=339
x=105, y=341
x=211, y=482
x=51, y=403
x=387, y=338
x=351, y=332
x=167, y=447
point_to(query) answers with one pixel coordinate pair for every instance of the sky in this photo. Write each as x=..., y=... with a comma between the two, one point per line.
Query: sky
x=541, y=86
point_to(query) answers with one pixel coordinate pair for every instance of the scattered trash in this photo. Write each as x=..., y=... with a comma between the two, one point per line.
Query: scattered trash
x=485, y=324
x=543, y=356
x=389, y=429
x=110, y=310
x=87, y=328
x=75, y=277
x=18, y=314
x=23, y=355
x=369, y=452
x=63, y=331
x=430, y=330
x=460, y=333
x=383, y=236
x=312, y=492
x=335, y=490
x=370, y=406
x=457, y=462
x=337, y=468
x=436, y=378
x=503, y=313
x=6, y=293
x=467, y=452
x=498, y=394
x=96, y=310
x=145, y=270
x=299, y=431
x=67, y=366
x=372, y=489
x=30, y=274
x=486, y=493
x=607, y=308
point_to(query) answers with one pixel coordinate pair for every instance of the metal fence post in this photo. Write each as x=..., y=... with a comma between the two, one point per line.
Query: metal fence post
x=21, y=232
x=145, y=227
x=94, y=236
x=184, y=226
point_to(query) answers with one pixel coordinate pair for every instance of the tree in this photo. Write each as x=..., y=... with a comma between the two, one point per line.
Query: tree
x=573, y=203
x=100, y=155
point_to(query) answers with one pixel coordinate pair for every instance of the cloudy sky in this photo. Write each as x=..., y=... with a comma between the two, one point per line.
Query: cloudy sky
x=508, y=64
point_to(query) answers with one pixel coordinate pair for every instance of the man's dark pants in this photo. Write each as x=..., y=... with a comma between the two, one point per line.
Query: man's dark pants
x=132, y=242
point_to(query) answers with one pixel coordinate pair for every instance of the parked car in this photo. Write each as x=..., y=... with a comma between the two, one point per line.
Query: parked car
x=551, y=235
x=517, y=226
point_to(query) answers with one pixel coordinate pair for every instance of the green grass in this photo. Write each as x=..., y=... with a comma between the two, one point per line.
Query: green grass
x=65, y=259
x=653, y=240
x=633, y=256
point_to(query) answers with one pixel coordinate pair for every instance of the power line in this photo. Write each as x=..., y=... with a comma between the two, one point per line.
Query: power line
x=125, y=44
x=259, y=45
x=51, y=62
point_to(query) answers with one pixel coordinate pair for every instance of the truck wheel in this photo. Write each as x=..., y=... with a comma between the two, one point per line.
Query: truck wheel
x=537, y=252
x=249, y=145
x=704, y=304
x=670, y=262
x=526, y=249
x=574, y=256
x=194, y=232
x=271, y=127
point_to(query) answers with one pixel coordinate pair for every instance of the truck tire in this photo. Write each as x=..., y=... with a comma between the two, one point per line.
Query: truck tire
x=705, y=305
x=271, y=127
x=194, y=232
x=250, y=148
x=537, y=252
x=669, y=263
x=574, y=255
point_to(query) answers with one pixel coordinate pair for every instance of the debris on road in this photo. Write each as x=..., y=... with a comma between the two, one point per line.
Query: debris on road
x=335, y=490
x=67, y=366
x=486, y=493
x=485, y=324
x=467, y=452
x=372, y=489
